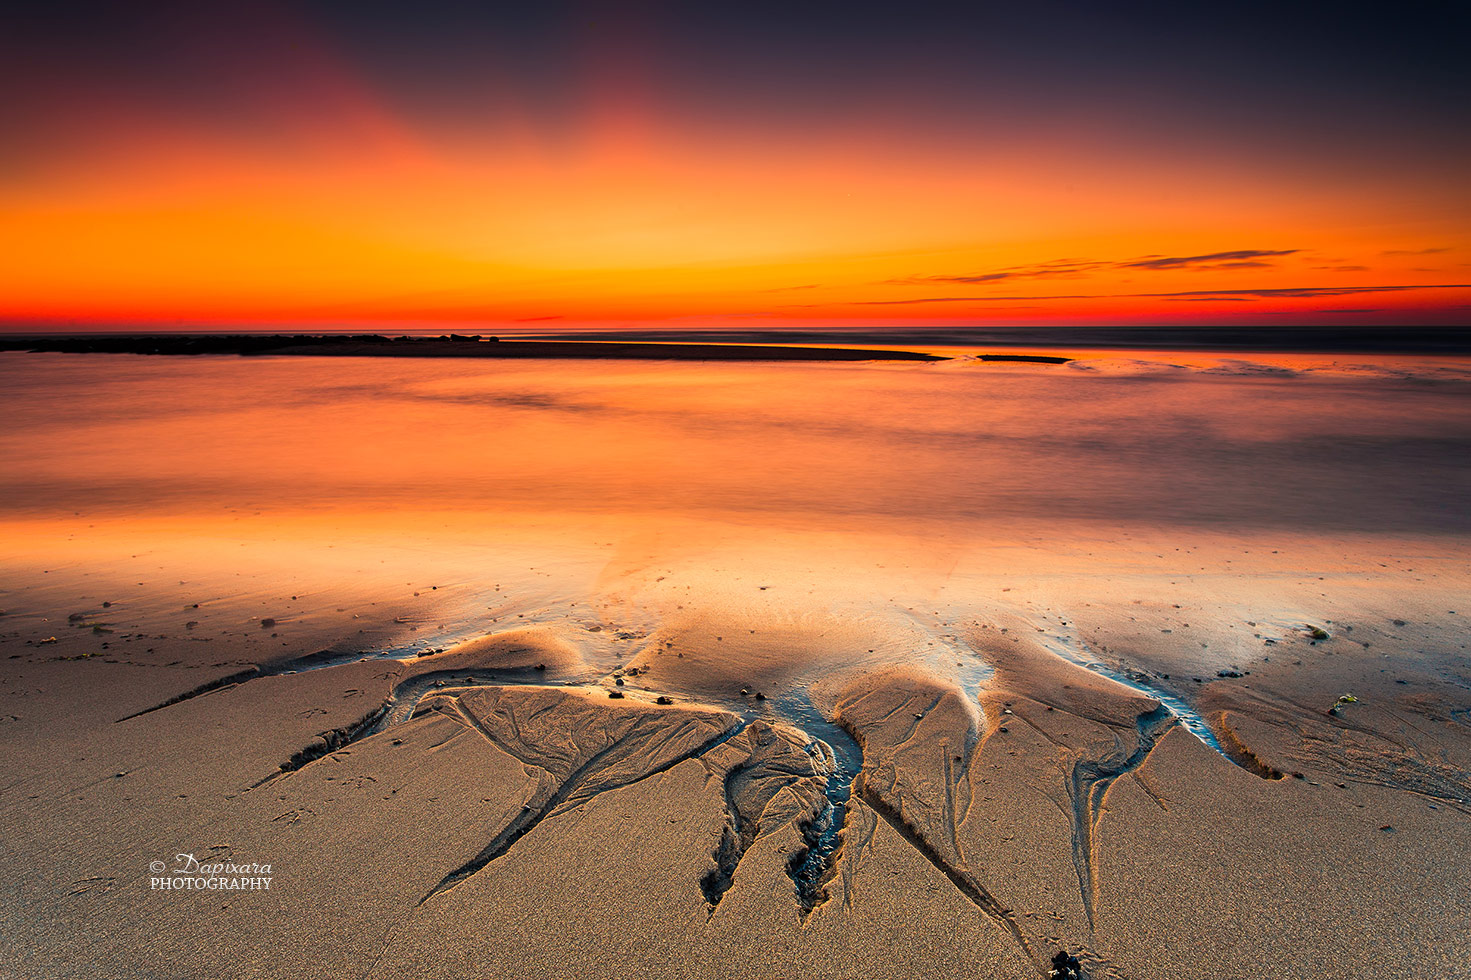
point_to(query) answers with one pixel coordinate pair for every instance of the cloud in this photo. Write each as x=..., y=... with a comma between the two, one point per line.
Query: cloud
x=1245, y=258
x=1342, y=268
x=1055, y=269
x=1365, y=309
x=1198, y=295
x=952, y=299
x=1300, y=292
x=988, y=277
x=1416, y=251
x=1235, y=265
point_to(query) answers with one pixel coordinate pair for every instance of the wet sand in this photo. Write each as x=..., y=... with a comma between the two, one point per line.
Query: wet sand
x=518, y=741
x=492, y=807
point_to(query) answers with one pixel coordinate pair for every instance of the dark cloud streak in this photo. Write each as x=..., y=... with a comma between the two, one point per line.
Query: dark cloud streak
x=1199, y=295
x=1246, y=258
x=1239, y=259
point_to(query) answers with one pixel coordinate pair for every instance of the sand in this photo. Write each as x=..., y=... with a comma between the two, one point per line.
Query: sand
x=494, y=809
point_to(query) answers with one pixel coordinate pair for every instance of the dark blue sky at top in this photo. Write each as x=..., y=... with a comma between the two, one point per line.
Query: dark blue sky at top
x=1325, y=77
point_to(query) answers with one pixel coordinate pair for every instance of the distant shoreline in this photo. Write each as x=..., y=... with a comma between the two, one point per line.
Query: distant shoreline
x=889, y=344
x=1260, y=340
x=453, y=345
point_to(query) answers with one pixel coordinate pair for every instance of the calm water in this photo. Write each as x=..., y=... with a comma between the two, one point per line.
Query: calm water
x=1367, y=445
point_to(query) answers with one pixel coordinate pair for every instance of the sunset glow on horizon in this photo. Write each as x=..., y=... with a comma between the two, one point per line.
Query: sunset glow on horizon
x=608, y=170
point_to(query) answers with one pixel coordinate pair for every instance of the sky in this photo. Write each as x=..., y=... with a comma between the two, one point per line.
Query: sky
x=677, y=165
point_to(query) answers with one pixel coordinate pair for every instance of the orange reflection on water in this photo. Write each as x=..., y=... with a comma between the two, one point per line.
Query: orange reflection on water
x=1358, y=443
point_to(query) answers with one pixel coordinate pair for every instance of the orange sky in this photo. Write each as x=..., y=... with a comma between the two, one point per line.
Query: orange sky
x=334, y=206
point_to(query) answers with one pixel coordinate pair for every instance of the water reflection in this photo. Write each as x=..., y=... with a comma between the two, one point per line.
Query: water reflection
x=881, y=446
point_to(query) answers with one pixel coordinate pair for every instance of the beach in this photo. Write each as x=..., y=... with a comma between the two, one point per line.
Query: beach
x=708, y=668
